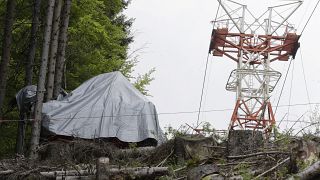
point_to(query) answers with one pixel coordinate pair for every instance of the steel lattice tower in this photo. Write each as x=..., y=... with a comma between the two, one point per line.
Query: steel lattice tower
x=254, y=43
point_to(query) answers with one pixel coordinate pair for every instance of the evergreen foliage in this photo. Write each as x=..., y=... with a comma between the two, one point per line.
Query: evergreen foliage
x=98, y=41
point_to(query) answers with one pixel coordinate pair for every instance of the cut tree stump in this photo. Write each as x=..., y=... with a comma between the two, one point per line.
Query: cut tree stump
x=242, y=142
x=102, y=168
x=193, y=147
x=202, y=171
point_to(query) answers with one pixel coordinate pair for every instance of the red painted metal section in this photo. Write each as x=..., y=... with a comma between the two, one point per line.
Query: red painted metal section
x=252, y=120
x=279, y=48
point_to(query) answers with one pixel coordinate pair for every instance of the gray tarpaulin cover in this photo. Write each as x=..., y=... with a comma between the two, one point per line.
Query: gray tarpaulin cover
x=105, y=106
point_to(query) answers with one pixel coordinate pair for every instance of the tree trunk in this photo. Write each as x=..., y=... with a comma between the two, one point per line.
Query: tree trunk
x=53, y=49
x=36, y=126
x=21, y=135
x=6, y=48
x=61, y=48
x=33, y=42
x=29, y=72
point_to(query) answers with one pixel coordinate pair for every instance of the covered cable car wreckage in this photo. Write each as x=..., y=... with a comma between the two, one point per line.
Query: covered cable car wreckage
x=106, y=107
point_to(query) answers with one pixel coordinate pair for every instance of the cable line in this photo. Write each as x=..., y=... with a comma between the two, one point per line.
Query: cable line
x=304, y=14
x=290, y=92
x=314, y=9
x=305, y=79
x=203, y=84
x=292, y=70
x=284, y=82
x=205, y=73
x=153, y=114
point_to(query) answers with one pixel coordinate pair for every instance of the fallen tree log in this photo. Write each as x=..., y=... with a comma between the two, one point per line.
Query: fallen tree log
x=310, y=172
x=256, y=154
x=6, y=172
x=105, y=170
x=140, y=171
x=273, y=168
x=134, y=152
x=237, y=163
x=72, y=177
x=52, y=174
x=139, y=150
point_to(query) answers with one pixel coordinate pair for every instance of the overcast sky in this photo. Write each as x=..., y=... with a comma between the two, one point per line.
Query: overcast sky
x=174, y=36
